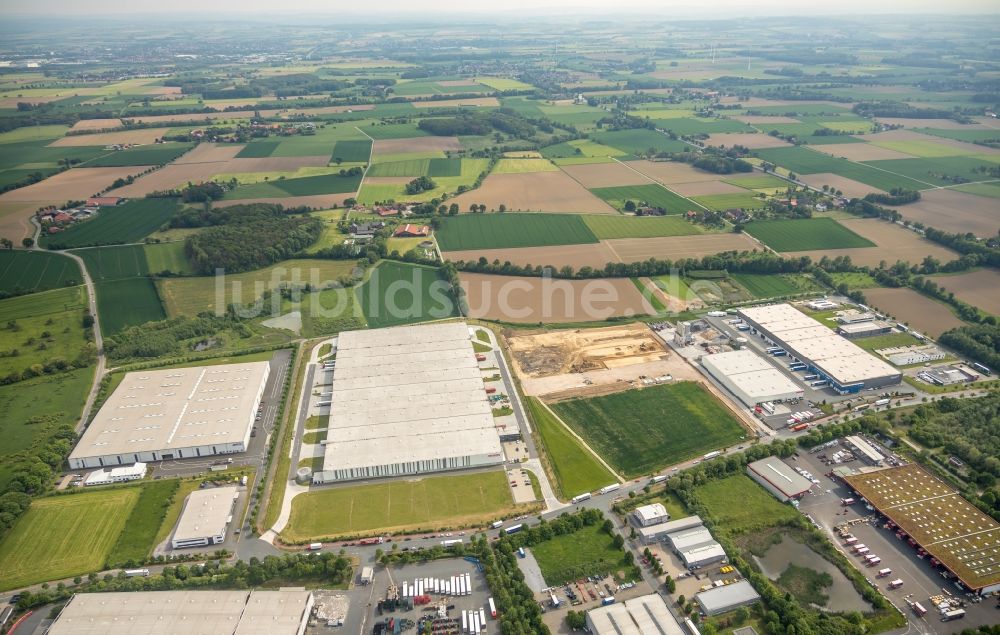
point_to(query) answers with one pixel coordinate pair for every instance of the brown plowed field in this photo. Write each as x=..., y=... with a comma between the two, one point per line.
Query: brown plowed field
x=576, y=256
x=953, y=211
x=850, y=187
x=316, y=201
x=912, y=135
x=752, y=140
x=604, y=175
x=917, y=311
x=940, y=124
x=533, y=300
x=451, y=103
x=706, y=188
x=169, y=177
x=545, y=353
x=765, y=119
x=678, y=247
x=143, y=135
x=860, y=152
x=97, y=124
x=272, y=164
x=671, y=172
x=893, y=243
x=979, y=288
x=71, y=185
x=536, y=192
x=417, y=144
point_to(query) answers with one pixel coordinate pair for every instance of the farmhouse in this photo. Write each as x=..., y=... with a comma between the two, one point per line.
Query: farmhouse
x=936, y=520
x=205, y=517
x=750, y=377
x=178, y=413
x=777, y=477
x=282, y=612
x=848, y=368
x=412, y=231
x=646, y=615
x=408, y=400
x=365, y=230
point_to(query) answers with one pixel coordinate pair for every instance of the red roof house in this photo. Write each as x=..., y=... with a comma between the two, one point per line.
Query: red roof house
x=412, y=231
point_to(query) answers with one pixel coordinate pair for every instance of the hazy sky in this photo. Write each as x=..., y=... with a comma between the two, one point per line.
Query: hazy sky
x=440, y=8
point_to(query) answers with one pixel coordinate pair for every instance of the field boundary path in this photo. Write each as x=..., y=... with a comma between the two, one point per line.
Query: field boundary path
x=582, y=442
x=657, y=182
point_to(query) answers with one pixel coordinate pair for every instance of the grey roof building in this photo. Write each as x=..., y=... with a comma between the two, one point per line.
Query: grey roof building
x=726, y=598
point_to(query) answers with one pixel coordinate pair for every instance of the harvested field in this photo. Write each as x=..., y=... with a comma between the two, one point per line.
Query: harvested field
x=604, y=175
x=576, y=256
x=210, y=153
x=15, y=215
x=143, y=135
x=978, y=288
x=169, y=177
x=926, y=145
x=753, y=141
x=861, y=152
x=917, y=311
x=488, y=102
x=416, y=144
x=97, y=124
x=892, y=242
x=941, y=124
x=545, y=353
x=678, y=247
x=764, y=119
x=706, y=188
x=527, y=300
x=74, y=184
x=536, y=191
x=316, y=201
x=271, y=164
x=850, y=187
x=954, y=211
x=671, y=172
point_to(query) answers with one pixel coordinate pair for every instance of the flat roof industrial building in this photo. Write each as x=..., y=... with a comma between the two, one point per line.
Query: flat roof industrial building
x=407, y=400
x=177, y=413
x=847, y=367
x=779, y=478
x=283, y=612
x=951, y=529
x=205, y=517
x=750, y=377
x=726, y=598
x=648, y=515
x=646, y=615
x=658, y=532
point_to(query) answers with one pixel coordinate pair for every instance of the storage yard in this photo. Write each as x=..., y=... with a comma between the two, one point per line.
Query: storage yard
x=546, y=353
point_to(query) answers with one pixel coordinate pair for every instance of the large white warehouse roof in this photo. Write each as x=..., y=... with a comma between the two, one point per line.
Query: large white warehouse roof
x=750, y=377
x=646, y=615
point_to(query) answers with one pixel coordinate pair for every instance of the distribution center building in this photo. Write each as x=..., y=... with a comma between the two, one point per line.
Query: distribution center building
x=178, y=413
x=777, y=477
x=646, y=615
x=205, y=517
x=835, y=359
x=408, y=400
x=750, y=377
x=282, y=612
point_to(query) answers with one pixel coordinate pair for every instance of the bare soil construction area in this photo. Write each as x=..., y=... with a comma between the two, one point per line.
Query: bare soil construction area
x=893, y=243
x=752, y=140
x=576, y=256
x=954, y=212
x=917, y=311
x=142, y=135
x=978, y=288
x=417, y=144
x=533, y=300
x=535, y=192
x=72, y=185
x=604, y=175
x=850, y=187
x=671, y=172
x=678, y=247
x=544, y=353
x=860, y=152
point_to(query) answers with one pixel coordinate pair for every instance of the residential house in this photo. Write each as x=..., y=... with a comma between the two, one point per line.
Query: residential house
x=412, y=231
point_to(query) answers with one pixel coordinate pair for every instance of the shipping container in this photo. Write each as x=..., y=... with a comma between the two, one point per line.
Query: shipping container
x=482, y=619
x=468, y=584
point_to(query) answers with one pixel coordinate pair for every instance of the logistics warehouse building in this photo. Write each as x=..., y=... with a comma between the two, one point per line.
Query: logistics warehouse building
x=646, y=615
x=935, y=518
x=408, y=400
x=750, y=377
x=847, y=367
x=205, y=518
x=777, y=477
x=178, y=413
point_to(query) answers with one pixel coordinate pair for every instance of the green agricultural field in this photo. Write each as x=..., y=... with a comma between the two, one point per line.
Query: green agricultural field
x=774, y=285
x=606, y=226
x=63, y=536
x=41, y=327
x=302, y=186
x=446, y=167
x=931, y=171
x=576, y=470
x=921, y=148
x=159, y=154
x=651, y=194
x=640, y=431
x=721, y=202
x=757, y=181
x=33, y=133
x=585, y=552
x=24, y=271
x=127, y=302
x=394, y=131
x=126, y=223
x=969, y=136
x=805, y=234
x=740, y=505
x=398, y=293
x=493, y=231
x=115, y=263
x=170, y=257
x=991, y=190
x=258, y=149
x=502, y=83
x=521, y=166
x=389, y=507
x=352, y=150
x=822, y=140
x=639, y=141
x=36, y=154
x=413, y=167
x=802, y=160
x=137, y=540
x=694, y=125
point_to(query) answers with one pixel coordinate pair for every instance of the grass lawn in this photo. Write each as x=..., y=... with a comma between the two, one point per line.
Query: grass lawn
x=889, y=340
x=126, y=223
x=46, y=325
x=640, y=431
x=167, y=257
x=36, y=271
x=805, y=234
x=421, y=503
x=398, y=293
x=587, y=551
x=720, y=202
x=491, y=231
x=737, y=504
x=174, y=507
x=638, y=141
x=136, y=540
x=63, y=536
x=854, y=280
x=651, y=194
x=128, y=302
x=772, y=285
x=576, y=470
x=608, y=226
